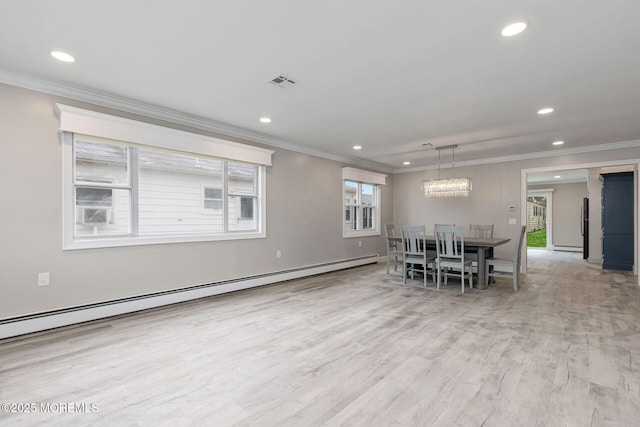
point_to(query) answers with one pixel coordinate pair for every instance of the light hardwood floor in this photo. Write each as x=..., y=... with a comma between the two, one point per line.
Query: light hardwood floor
x=353, y=348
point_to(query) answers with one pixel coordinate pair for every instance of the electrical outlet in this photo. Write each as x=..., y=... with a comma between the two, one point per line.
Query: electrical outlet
x=359, y=243
x=278, y=253
x=512, y=221
x=43, y=279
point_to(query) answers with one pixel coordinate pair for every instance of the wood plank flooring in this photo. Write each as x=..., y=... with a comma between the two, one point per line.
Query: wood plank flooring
x=352, y=348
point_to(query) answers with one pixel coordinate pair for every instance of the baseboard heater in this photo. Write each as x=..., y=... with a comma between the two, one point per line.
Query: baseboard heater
x=54, y=319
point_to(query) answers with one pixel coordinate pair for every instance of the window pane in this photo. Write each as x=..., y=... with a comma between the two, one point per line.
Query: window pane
x=242, y=213
x=98, y=162
x=368, y=194
x=242, y=179
x=170, y=194
x=213, y=193
x=102, y=212
x=368, y=218
x=351, y=193
x=90, y=197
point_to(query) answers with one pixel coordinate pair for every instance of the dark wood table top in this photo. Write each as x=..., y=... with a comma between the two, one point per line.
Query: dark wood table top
x=487, y=242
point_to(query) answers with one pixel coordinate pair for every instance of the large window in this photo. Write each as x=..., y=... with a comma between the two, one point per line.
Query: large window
x=361, y=202
x=121, y=193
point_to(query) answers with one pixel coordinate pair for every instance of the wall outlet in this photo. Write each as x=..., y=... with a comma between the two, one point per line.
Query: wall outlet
x=278, y=253
x=512, y=221
x=359, y=243
x=43, y=279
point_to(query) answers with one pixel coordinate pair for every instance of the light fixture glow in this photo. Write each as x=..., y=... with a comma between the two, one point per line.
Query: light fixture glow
x=513, y=29
x=558, y=142
x=62, y=56
x=452, y=187
x=357, y=147
x=547, y=110
x=406, y=163
x=265, y=120
x=557, y=176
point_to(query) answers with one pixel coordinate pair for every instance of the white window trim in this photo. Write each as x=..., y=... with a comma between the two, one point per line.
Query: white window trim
x=362, y=177
x=85, y=122
x=76, y=120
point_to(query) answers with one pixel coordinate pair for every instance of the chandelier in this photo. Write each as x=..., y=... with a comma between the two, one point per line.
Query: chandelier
x=452, y=187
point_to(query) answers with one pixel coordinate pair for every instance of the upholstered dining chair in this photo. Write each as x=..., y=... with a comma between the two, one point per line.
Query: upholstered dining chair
x=450, y=259
x=393, y=247
x=414, y=245
x=512, y=265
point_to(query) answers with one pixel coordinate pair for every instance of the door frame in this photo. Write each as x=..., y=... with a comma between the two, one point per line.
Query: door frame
x=548, y=194
x=630, y=162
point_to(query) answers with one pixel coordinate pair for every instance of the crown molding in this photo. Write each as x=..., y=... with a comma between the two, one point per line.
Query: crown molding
x=133, y=106
x=528, y=156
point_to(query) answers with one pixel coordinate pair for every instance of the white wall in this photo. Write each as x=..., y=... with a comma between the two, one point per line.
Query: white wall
x=304, y=221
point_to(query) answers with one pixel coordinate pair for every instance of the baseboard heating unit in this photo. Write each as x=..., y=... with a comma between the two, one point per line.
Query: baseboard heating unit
x=21, y=325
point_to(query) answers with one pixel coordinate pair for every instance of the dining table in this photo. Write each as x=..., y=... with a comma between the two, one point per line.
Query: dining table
x=480, y=248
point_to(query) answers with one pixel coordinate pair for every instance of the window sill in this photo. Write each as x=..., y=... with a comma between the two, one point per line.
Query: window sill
x=156, y=240
x=361, y=233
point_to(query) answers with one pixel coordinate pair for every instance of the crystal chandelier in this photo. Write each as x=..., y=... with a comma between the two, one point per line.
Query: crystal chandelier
x=452, y=187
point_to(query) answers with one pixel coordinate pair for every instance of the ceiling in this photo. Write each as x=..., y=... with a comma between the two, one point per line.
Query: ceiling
x=389, y=76
x=558, y=177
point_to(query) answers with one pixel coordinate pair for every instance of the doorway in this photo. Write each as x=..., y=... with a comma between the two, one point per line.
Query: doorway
x=540, y=219
x=595, y=169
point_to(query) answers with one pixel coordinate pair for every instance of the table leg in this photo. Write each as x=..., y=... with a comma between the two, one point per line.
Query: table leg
x=481, y=256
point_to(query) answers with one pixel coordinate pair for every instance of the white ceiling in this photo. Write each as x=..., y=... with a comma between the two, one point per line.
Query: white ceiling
x=389, y=76
x=558, y=177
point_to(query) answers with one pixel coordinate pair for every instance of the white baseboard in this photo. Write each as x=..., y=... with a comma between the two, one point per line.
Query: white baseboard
x=42, y=321
x=567, y=248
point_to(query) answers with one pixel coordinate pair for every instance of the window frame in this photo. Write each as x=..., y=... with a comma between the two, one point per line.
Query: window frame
x=184, y=143
x=360, y=178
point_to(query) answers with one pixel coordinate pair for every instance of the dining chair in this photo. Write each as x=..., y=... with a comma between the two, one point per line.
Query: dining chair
x=393, y=247
x=481, y=230
x=450, y=256
x=513, y=264
x=414, y=245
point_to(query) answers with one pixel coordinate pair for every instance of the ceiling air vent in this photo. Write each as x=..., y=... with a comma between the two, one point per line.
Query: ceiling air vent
x=282, y=81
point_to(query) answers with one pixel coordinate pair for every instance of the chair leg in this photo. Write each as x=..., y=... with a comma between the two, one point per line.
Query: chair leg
x=388, y=261
x=404, y=274
x=425, y=275
x=439, y=278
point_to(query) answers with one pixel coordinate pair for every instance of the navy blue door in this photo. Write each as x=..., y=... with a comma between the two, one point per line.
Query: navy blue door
x=617, y=221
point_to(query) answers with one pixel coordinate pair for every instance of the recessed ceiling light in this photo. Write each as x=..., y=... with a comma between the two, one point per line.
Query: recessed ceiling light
x=558, y=142
x=546, y=110
x=265, y=120
x=513, y=29
x=62, y=56
x=406, y=163
x=557, y=176
x=357, y=147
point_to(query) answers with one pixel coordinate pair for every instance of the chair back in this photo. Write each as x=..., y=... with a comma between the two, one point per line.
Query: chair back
x=447, y=238
x=414, y=239
x=481, y=230
x=390, y=231
x=518, y=255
